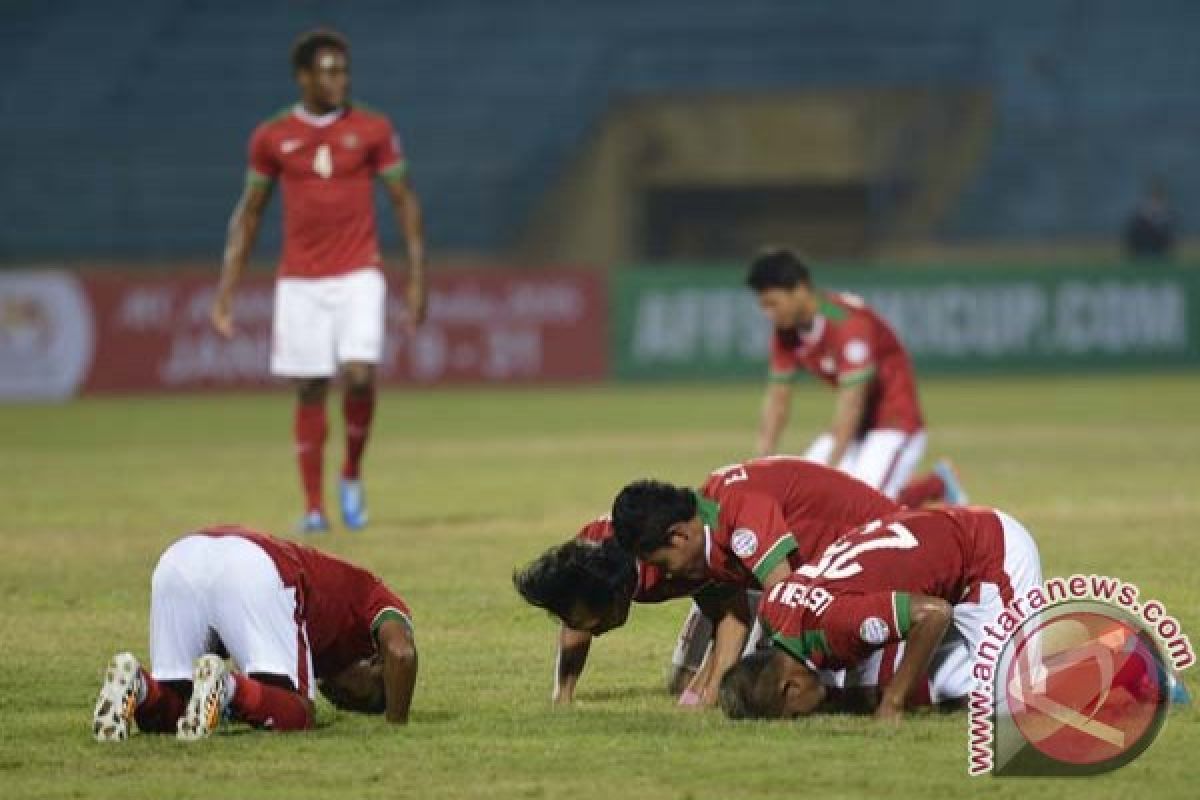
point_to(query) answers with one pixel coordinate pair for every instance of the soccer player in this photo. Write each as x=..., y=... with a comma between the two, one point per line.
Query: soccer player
x=931, y=579
x=877, y=434
x=331, y=293
x=588, y=583
x=288, y=615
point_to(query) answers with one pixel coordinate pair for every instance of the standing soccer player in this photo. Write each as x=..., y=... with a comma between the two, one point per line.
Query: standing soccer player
x=331, y=294
x=877, y=434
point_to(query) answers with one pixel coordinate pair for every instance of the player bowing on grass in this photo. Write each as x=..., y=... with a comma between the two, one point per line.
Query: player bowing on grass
x=788, y=506
x=288, y=615
x=877, y=434
x=931, y=579
x=331, y=293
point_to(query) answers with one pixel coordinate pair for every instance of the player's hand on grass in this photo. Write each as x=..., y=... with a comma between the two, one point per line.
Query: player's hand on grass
x=891, y=709
x=417, y=298
x=221, y=315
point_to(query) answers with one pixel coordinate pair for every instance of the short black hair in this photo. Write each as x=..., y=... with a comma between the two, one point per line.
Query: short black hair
x=645, y=510
x=596, y=574
x=304, y=49
x=777, y=269
x=748, y=689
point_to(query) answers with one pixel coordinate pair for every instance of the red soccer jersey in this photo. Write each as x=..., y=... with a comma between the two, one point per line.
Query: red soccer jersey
x=342, y=605
x=326, y=166
x=761, y=512
x=849, y=344
x=855, y=597
x=653, y=586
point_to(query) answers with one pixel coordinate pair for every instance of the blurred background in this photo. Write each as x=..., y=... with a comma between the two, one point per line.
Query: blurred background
x=1013, y=184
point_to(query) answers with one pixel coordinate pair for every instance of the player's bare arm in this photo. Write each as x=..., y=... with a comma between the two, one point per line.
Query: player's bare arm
x=930, y=618
x=407, y=207
x=731, y=625
x=573, y=647
x=847, y=419
x=777, y=405
x=244, y=225
x=399, y=668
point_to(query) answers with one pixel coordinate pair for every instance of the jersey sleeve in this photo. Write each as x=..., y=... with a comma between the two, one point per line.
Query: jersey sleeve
x=855, y=351
x=263, y=164
x=386, y=156
x=855, y=625
x=783, y=363
x=761, y=537
x=382, y=604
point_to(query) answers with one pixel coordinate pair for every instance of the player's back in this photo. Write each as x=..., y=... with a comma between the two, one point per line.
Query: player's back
x=337, y=599
x=938, y=552
x=818, y=502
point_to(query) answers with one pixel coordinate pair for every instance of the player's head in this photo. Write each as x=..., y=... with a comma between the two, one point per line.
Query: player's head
x=587, y=585
x=660, y=524
x=321, y=64
x=358, y=687
x=784, y=287
x=769, y=684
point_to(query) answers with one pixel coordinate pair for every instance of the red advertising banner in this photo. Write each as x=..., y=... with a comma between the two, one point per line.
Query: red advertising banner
x=62, y=333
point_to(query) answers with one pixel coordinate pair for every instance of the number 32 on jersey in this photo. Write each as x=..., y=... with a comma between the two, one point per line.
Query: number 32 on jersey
x=840, y=559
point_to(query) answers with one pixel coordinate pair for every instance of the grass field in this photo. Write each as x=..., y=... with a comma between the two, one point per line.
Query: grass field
x=465, y=485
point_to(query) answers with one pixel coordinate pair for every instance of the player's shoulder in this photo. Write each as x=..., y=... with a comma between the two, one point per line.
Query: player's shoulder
x=369, y=116
x=598, y=530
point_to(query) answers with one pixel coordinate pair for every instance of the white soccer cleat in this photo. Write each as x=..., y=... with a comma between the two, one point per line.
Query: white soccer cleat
x=112, y=720
x=208, y=702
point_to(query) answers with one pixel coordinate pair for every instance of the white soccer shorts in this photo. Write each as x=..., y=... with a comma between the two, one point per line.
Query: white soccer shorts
x=883, y=459
x=228, y=586
x=322, y=323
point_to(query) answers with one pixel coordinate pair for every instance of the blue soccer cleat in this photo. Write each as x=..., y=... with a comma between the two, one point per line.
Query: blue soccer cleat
x=354, y=504
x=955, y=495
x=1180, y=696
x=313, y=522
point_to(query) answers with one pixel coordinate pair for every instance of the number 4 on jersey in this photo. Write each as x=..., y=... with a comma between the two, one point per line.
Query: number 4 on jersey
x=323, y=161
x=840, y=559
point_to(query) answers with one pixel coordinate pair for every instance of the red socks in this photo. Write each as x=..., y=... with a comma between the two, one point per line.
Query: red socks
x=266, y=706
x=358, y=407
x=163, y=706
x=310, y=431
x=920, y=491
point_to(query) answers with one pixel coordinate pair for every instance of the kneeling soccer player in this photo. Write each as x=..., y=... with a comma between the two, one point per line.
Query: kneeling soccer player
x=930, y=579
x=289, y=616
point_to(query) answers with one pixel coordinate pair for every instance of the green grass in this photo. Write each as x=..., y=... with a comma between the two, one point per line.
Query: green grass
x=465, y=485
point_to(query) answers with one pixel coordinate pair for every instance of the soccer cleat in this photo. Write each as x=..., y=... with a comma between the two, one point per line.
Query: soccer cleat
x=113, y=717
x=955, y=495
x=354, y=504
x=209, y=698
x=313, y=522
x=1180, y=696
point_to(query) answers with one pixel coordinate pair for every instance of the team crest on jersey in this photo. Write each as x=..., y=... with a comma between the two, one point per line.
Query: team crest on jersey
x=745, y=542
x=828, y=365
x=350, y=141
x=856, y=351
x=873, y=630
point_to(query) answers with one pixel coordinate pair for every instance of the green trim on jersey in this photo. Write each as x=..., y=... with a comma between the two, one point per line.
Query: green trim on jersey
x=855, y=377
x=709, y=510
x=396, y=172
x=803, y=646
x=902, y=611
x=256, y=178
x=784, y=546
x=831, y=310
x=781, y=377
x=385, y=615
